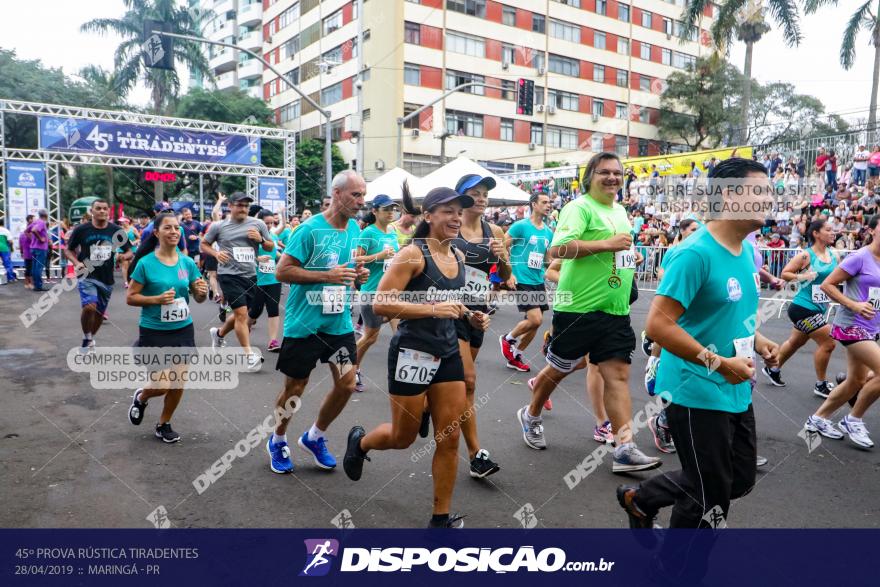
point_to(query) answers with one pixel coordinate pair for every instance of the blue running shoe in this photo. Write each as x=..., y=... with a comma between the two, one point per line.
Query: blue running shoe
x=318, y=450
x=651, y=375
x=279, y=457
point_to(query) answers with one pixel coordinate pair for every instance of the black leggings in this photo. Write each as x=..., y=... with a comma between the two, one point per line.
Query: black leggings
x=268, y=296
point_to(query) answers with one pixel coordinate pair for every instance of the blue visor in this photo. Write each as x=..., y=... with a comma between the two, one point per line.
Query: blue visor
x=471, y=180
x=381, y=201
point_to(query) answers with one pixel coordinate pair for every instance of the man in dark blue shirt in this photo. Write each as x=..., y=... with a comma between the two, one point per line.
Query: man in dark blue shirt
x=192, y=229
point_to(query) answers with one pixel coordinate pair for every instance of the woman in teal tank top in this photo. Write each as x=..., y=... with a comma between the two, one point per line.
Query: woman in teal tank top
x=807, y=310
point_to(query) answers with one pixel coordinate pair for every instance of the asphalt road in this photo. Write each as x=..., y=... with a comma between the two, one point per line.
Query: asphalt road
x=72, y=459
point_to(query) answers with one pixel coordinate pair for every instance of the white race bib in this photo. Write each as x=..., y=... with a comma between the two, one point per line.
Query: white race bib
x=819, y=296
x=415, y=367
x=333, y=299
x=176, y=311
x=745, y=347
x=536, y=260
x=243, y=254
x=874, y=297
x=267, y=266
x=100, y=253
x=625, y=259
x=476, y=281
x=386, y=264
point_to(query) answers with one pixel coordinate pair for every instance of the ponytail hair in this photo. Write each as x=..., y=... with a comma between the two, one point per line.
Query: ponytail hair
x=151, y=243
x=422, y=229
x=369, y=218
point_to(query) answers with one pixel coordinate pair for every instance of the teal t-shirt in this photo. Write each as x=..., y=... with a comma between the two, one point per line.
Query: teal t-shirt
x=808, y=295
x=267, y=277
x=528, y=250
x=283, y=237
x=320, y=307
x=157, y=278
x=373, y=241
x=719, y=293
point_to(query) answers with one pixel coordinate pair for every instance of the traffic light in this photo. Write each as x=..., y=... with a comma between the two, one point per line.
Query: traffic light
x=525, y=96
x=158, y=50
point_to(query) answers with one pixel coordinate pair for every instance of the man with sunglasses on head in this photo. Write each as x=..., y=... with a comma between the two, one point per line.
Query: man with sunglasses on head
x=239, y=238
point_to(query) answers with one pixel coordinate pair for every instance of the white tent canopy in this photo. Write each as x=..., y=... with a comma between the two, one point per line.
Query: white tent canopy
x=390, y=182
x=504, y=193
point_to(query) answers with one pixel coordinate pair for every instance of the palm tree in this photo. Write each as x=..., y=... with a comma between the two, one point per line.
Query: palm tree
x=863, y=19
x=746, y=19
x=164, y=85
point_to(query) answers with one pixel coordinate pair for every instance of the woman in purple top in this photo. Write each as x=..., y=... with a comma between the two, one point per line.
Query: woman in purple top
x=856, y=326
x=24, y=245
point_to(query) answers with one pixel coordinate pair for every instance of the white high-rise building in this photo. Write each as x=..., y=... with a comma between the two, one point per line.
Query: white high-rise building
x=239, y=22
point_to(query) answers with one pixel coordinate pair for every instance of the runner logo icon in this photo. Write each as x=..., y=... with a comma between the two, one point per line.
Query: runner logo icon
x=320, y=553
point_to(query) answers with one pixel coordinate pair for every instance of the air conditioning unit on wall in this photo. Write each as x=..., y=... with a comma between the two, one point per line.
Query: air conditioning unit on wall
x=531, y=146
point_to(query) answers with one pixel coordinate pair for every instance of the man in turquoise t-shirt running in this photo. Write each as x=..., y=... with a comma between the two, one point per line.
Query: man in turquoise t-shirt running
x=704, y=317
x=318, y=262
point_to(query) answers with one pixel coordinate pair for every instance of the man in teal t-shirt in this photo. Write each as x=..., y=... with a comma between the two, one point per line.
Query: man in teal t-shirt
x=318, y=262
x=704, y=317
x=528, y=240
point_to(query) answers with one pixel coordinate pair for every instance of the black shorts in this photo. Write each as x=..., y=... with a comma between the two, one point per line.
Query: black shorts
x=602, y=336
x=806, y=320
x=873, y=171
x=237, y=290
x=451, y=369
x=266, y=296
x=298, y=356
x=532, y=296
x=469, y=333
x=210, y=262
x=150, y=338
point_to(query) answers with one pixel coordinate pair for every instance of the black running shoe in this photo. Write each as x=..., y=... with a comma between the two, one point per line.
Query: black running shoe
x=424, y=428
x=823, y=389
x=775, y=377
x=353, y=461
x=647, y=344
x=455, y=521
x=222, y=313
x=638, y=520
x=165, y=432
x=136, y=411
x=482, y=466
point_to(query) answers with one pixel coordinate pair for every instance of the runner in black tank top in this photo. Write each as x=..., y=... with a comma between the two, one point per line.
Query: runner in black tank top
x=482, y=244
x=423, y=360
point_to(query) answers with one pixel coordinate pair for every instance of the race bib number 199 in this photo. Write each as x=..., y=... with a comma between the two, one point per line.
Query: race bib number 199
x=415, y=367
x=625, y=259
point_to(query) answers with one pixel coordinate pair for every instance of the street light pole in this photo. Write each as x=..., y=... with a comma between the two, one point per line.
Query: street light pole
x=403, y=119
x=328, y=141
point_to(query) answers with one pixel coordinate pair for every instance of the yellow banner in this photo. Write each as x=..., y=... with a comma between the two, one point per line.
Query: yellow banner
x=680, y=163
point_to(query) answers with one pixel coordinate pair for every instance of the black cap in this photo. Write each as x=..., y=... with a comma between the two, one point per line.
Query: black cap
x=240, y=197
x=443, y=195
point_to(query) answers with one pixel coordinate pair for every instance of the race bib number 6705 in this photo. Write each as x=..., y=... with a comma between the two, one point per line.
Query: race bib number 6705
x=416, y=367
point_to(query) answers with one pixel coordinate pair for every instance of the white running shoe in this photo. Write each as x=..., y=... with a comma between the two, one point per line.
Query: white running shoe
x=254, y=362
x=217, y=341
x=822, y=426
x=857, y=432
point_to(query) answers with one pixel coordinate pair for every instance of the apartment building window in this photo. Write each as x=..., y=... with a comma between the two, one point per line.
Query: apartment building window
x=506, y=129
x=331, y=94
x=336, y=128
x=412, y=74
x=412, y=123
x=464, y=123
x=508, y=53
x=536, y=134
x=459, y=43
x=354, y=47
x=537, y=59
x=509, y=91
x=598, y=108
x=471, y=7
x=291, y=47
x=621, y=145
x=562, y=138
x=596, y=143
x=645, y=51
x=620, y=111
x=293, y=75
x=575, y=3
x=539, y=95
x=412, y=33
x=667, y=26
x=456, y=78
x=563, y=100
x=599, y=40
x=273, y=88
x=666, y=56
x=645, y=83
x=332, y=22
x=682, y=60
x=643, y=147
x=538, y=23
x=623, y=46
x=599, y=73
x=508, y=15
x=622, y=78
x=623, y=12
x=646, y=19
x=565, y=31
x=601, y=7
x=290, y=111
x=334, y=55
x=289, y=16
x=644, y=115
x=564, y=65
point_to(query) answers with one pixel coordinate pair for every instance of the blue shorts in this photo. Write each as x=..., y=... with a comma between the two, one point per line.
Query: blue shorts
x=92, y=291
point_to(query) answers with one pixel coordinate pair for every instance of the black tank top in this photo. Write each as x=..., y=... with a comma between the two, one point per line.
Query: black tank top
x=478, y=255
x=436, y=336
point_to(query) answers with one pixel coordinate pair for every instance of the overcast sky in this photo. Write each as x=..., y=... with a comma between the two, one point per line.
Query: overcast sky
x=813, y=67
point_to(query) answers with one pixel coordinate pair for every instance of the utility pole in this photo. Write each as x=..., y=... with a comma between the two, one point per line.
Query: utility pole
x=361, y=163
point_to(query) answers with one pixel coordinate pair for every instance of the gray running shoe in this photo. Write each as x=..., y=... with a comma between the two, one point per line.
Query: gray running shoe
x=533, y=432
x=628, y=458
